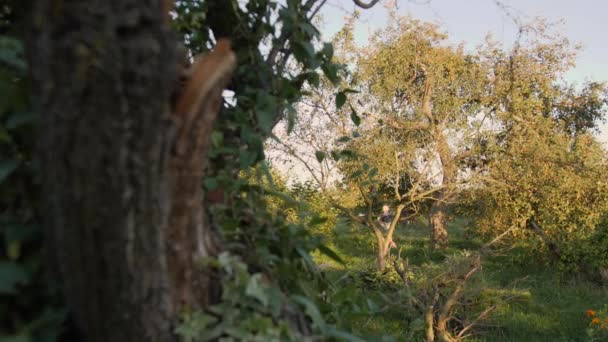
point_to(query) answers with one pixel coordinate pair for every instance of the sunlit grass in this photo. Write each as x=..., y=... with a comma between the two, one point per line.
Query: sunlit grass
x=540, y=304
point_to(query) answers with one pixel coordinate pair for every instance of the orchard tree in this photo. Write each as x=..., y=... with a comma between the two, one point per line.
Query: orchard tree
x=543, y=178
x=388, y=141
x=430, y=96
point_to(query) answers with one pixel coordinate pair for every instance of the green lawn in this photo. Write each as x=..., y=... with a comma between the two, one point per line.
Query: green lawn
x=543, y=305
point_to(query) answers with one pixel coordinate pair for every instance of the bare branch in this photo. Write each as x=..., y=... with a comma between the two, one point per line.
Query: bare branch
x=364, y=5
x=476, y=321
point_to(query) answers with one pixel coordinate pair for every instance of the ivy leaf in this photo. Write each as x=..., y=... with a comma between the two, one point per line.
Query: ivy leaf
x=331, y=72
x=291, y=119
x=312, y=78
x=340, y=99
x=328, y=51
x=310, y=30
x=256, y=290
x=6, y=168
x=247, y=158
x=265, y=109
x=304, y=53
x=320, y=155
x=217, y=139
x=311, y=310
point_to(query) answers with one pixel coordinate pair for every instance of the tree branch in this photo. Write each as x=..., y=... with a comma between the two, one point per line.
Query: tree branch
x=364, y=5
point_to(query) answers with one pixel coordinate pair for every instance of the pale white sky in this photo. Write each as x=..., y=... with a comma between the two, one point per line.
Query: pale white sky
x=469, y=21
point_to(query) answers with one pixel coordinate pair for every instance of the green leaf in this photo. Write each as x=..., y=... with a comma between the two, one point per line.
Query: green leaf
x=247, y=158
x=310, y=76
x=335, y=155
x=328, y=51
x=354, y=117
x=256, y=290
x=304, y=53
x=265, y=110
x=6, y=168
x=316, y=220
x=356, y=174
x=343, y=139
x=310, y=30
x=195, y=325
x=331, y=254
x=340, y=100
x=348, y=154
x=21, y=337
x=21, y=119
x=211, y=183
x=11, y=275
x=11, y=51
x=275, y=300
x=373, y=172
x=311, y=310
x=331, y=72
x=291, y=119
x=320, y=155
x=341, y=335
x=217, y=139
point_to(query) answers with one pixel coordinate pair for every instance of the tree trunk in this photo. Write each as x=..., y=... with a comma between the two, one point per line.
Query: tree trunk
x=123, y=214
x=437, y=214
x=438, y=226
x=382, y=253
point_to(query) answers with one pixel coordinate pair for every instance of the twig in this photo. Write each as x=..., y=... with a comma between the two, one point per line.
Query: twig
x=364, y=5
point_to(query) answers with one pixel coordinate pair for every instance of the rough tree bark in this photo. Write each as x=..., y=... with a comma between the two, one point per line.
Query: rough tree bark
x=122, y=201
x=382, y=252
x=437, y=219
x=437, y=214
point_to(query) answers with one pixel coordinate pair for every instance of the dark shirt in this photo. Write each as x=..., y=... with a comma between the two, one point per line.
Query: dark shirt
x=385, y=219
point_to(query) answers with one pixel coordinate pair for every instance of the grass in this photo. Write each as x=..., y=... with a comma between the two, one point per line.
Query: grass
x=543, y=305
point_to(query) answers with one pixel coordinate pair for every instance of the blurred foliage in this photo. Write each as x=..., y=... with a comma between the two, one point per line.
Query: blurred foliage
x=267, y=269
x=30, y=307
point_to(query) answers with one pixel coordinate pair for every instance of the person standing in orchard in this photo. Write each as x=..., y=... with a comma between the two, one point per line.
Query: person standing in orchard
x=385, y=219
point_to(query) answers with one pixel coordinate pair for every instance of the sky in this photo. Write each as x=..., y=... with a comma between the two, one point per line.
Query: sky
x=469, y=21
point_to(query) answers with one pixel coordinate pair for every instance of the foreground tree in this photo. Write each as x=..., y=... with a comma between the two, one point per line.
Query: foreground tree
x=124, y=209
